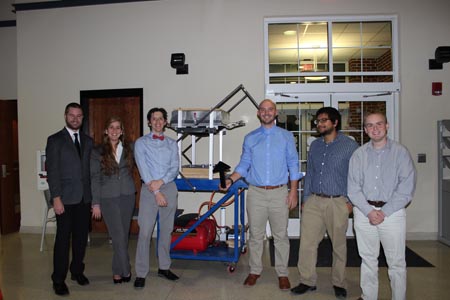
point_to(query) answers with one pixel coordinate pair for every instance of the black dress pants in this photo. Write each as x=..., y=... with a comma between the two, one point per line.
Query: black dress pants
x=72, y=228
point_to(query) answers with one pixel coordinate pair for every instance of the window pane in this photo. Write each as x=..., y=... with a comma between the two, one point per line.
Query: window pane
x=312, y=59
x=381, y=78
x=353, y=112
x=316, y=79
x=298, y=79
x=282, y=36
x=286, y=41
x=346, y=34
x=350, y=56
x=347, y=79
x=377, y=60
x=284, y=79
x=313, y=35
x=282, y=57
x=377, y=34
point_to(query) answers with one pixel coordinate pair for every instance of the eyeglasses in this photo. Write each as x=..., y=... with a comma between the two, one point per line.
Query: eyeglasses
x=321, y=121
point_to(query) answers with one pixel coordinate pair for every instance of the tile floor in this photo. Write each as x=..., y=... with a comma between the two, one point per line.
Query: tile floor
x=25, y=275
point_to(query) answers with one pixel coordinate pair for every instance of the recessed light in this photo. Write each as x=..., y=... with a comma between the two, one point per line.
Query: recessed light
x=290, y=32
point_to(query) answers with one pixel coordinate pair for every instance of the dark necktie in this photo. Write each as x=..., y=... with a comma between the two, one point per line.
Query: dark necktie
x=77, y=144
x=159, y=137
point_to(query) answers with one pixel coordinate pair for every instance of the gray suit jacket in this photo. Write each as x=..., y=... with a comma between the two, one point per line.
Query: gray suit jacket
x=68, y=176
x=110, y=186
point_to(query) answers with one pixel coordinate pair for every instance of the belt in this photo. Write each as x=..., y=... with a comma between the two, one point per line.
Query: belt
x=270, y=187
x=376, y=203
x=327, y=196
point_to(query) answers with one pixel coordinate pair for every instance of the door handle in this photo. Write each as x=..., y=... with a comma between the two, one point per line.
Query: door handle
x=4, y=173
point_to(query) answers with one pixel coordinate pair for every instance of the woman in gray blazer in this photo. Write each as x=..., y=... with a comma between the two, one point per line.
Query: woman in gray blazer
x=113, y=193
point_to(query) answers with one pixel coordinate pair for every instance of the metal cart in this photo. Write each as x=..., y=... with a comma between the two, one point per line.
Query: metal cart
x=197, y=124
x=221, y=252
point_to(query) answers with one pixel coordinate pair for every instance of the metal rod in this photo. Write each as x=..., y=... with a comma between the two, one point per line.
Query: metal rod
x=237, y=103
x=218, y=105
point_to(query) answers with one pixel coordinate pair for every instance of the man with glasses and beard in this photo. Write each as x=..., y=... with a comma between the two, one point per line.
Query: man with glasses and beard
x=325, y=206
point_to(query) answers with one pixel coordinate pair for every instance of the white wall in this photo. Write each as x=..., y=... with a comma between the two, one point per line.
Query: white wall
x=63, y=51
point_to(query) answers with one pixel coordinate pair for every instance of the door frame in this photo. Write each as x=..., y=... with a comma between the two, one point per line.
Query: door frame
x=113, y=93
x=10, y=203
x=85, y=97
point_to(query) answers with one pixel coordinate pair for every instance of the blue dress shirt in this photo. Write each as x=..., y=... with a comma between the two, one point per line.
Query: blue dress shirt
x=156, y=159
x=269, y=157
x=327, y=166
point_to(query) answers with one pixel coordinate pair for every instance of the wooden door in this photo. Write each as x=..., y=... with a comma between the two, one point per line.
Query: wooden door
x=9, y=172
x=98, y=107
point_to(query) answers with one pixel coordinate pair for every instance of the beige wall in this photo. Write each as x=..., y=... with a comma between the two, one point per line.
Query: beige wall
x=63, y=51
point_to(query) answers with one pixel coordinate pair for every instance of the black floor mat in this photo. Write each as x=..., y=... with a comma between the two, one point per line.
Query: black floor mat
x=324, y=256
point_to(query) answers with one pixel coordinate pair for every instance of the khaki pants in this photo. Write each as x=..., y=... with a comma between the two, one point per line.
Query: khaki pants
x=262, y=206
x=320, y=215
x=391, y=233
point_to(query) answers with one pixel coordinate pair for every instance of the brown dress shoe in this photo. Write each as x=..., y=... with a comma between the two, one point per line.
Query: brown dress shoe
x=251, y=279
x=283, y=283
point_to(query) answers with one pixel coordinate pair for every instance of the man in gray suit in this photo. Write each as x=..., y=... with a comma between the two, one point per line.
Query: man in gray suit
x=68, y=154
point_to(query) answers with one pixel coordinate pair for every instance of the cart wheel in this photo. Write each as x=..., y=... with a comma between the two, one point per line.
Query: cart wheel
x=244, y=249
x=231, y=268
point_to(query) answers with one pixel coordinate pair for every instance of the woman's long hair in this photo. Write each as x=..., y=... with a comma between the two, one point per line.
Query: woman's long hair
x=109, y=163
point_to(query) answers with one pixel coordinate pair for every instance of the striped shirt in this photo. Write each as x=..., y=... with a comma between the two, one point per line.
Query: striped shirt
x=327, y=166
x=385, y=174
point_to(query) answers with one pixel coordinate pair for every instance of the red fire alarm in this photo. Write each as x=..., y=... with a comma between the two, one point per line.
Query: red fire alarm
x=436, y=88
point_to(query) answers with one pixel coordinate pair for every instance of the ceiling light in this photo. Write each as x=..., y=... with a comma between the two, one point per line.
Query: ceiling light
x=290, y=32
x=315, y=78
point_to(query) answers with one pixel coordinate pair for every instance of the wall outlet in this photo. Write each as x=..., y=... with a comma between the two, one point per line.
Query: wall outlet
x=421, y=158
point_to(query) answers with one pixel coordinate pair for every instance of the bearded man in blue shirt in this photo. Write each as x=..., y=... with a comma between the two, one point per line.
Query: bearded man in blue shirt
x=268, y=162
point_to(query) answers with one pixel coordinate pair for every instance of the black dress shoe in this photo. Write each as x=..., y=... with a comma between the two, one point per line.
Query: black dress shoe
x=339, y=292
x=127, y=278
x=167, y=274
x=60, y=289
x=139, y=282
x=302, y=288
x=80, y=278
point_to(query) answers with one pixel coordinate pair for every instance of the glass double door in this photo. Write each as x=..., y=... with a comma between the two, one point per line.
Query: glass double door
x=296, y=113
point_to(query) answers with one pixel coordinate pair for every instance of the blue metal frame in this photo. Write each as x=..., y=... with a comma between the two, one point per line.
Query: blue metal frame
x=219, y=253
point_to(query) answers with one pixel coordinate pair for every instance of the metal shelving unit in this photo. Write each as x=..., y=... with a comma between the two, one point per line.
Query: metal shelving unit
x=444, y=180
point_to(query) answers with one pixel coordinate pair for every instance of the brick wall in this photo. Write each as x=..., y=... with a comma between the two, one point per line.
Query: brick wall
x=382, y=63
